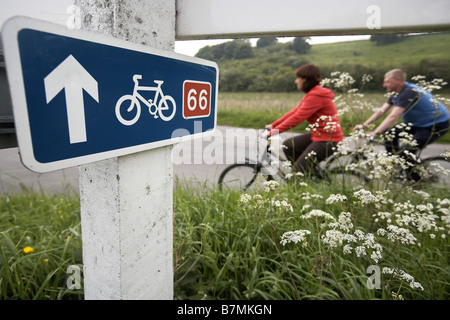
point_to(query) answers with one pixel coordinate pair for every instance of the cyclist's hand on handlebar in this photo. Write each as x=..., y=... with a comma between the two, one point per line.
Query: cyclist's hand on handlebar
x=266, y=133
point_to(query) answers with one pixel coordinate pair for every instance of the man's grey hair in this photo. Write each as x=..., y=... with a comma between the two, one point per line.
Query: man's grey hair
x=396, y=73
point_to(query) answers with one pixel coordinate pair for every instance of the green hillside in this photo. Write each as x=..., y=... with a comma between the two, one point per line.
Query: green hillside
x=270, y=69
x=410, y=51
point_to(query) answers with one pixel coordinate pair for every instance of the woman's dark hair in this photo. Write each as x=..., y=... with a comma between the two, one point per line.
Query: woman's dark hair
x=311, y=74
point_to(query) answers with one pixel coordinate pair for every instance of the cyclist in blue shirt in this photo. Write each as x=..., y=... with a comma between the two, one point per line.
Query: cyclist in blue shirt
x=425, y=118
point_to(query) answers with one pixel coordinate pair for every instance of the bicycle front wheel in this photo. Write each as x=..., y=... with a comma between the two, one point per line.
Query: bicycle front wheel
x=242, y=176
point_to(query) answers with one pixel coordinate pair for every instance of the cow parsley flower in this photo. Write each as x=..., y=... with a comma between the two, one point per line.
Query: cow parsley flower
x=402, y=275
x=298, y=236
x=270, y=185
x=336, y=198
x=318, y=213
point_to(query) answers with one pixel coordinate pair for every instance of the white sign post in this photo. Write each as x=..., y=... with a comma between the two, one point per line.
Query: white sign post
x=126, y=202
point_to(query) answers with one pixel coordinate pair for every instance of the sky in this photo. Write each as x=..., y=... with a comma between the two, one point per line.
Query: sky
x=58, y=11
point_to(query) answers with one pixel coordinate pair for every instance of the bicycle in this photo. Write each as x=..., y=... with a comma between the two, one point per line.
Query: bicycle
x=166, y=103
x=253, y=173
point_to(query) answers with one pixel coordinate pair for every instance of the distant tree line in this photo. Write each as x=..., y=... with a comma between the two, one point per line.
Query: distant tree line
x=242, y=49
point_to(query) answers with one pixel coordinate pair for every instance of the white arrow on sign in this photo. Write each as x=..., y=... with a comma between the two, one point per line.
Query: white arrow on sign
x=71, y=76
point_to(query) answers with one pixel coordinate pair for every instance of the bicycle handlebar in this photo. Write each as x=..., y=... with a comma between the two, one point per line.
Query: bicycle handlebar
x=137, y=77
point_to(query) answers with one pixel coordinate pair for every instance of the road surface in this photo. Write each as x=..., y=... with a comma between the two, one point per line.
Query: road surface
x=199, y=162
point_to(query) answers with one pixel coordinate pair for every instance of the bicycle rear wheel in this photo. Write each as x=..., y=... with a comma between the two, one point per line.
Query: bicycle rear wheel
x=125, y=110
x=242, y=176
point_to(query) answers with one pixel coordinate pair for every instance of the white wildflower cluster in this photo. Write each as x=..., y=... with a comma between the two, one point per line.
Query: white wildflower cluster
x=309, y=196
x=340, y=234
x=316, y=213
x=430, y=86
x=395, y=233
x=443, y=207
x=396, y=296
x=446, y=154
x=385, y=216
x=311, y=155
x=270, y=185
x=367, y=197
x=345, y=221
x=290, y=175
x=402, y=275
x=434, y=169
x=282, y=204
x=360, y=243
x=297, y=236
x=350, y=143
x=350, y=100
x=366, y=78
x=333, y=238
x=255, y=201
x=371, y=163
x=386, y=165
x=422, y=217
x=329, y=124
x=406, y=219
x=403, y=131
x=336, y=198
x=340, y=80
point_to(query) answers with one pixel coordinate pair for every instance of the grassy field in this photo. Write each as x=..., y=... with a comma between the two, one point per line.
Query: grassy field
x=255, y=110
x=412, y=50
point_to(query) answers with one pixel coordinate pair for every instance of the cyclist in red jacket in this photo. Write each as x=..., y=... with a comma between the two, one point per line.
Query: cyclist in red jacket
x=316, y=107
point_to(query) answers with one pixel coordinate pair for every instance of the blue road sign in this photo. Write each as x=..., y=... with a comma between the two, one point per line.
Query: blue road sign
x=80, y=97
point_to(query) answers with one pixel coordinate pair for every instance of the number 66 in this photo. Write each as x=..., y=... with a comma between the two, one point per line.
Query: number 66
x=202, y=99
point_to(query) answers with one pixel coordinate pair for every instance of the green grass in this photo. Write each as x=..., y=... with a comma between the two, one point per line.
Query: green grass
x=224, y=249
x=50, y=225
x=411, y=50
x=230, y=251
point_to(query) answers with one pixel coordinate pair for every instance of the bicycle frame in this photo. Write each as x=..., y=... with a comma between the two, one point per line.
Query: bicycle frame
x=269, y=161
x=149, y=103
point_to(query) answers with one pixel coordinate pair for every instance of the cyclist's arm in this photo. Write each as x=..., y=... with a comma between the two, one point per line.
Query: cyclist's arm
x=389, y=121
x=377, y=115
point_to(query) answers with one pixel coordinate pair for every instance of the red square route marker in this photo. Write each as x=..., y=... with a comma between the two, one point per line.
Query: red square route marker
x=196, y=99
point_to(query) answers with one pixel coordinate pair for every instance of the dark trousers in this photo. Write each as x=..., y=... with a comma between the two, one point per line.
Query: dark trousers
x=423, y=137
x=298, y=150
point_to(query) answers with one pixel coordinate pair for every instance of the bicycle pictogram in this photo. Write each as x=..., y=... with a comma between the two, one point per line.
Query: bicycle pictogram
x=165, y=108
